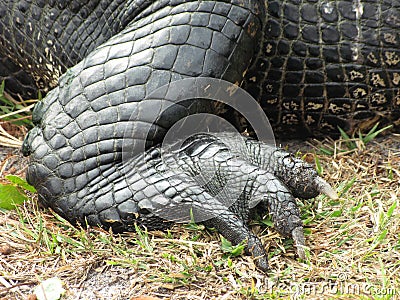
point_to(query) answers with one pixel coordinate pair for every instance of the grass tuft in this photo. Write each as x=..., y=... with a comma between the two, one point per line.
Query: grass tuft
x=348, y=144
x=15, y=117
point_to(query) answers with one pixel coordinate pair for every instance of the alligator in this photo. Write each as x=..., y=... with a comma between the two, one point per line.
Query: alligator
x=97, y=155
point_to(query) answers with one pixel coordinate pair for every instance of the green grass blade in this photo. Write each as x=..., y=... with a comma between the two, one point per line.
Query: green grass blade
x=351, y=145
x=318, y=166
x=373, y=134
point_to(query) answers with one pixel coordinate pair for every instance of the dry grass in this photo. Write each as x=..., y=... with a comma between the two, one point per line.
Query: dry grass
x=12, y=113
x=354, y=246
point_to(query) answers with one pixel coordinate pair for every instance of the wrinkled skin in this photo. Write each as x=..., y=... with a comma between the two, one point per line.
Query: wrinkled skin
x=76, y=150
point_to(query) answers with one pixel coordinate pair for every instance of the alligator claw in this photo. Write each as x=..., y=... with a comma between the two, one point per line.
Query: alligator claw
x=262, y=264
x=299, y=241
x=325, y=188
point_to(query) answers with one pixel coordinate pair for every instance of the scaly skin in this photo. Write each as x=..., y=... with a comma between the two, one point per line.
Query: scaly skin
x=324, y=64
x=77, y=149
x=319, y=64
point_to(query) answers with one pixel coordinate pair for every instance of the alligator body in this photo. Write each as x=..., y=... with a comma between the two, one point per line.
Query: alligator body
x=311, y=65
x=324, y=64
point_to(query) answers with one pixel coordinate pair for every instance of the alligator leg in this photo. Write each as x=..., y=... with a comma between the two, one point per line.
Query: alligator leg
x=81, y=125
x=220, y=187
x=77, y=148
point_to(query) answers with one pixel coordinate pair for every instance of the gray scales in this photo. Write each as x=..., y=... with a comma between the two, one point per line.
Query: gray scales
x=312, y=65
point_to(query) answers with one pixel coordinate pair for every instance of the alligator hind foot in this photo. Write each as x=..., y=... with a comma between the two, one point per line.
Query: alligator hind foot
x=207, y=180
